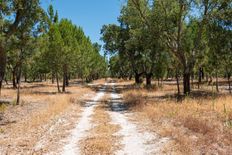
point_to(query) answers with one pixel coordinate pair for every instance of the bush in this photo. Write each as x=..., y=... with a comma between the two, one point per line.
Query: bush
x=134, y=99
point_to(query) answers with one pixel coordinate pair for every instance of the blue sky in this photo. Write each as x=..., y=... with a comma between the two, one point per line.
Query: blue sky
x=91, y=15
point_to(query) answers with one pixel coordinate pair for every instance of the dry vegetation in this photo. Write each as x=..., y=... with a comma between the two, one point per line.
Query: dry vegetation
x=101, y=138
x=196, y=125
x=22, y=126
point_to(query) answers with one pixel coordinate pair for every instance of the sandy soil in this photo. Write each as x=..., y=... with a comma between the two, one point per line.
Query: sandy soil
x=134, y=141
x=92, y=122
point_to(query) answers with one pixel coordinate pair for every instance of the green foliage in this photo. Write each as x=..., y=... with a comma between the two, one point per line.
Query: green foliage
x=157, y=36
x=40, y=44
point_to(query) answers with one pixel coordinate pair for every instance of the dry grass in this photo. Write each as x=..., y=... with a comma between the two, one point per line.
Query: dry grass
x=132, y=100
x=101, y=139
x=40, y=106
x=53, y=104
x=197, y=125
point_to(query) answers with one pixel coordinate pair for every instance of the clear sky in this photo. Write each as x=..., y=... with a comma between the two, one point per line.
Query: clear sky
x=91, y=15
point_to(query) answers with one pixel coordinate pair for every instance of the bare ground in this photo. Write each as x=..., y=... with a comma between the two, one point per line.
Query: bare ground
x=88, y=119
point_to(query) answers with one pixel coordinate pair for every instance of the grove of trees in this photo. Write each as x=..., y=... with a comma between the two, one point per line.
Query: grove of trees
x=185, y=39
x=36, y=45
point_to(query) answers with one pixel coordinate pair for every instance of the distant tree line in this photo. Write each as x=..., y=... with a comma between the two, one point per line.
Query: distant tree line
x=36, y=45
x=183, y=39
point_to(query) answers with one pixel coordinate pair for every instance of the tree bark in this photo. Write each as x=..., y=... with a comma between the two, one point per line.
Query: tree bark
x=138, y=79
x=53, y=77
x=177, y=83
x=207, y=78
x=19, y=85
x=25, y=77
x=64, y=83
x=148, y=79
x=6, y=81
x=64, y=77
x=45, y=77
x=2, y=65
x=130, y=77
x=217, y=89
x=14, y=79
x=67, y=80
x=200, y=76
x=19, y=76
x=41, y=77
x=186, y=82
x=57, y=82
x=192, y=79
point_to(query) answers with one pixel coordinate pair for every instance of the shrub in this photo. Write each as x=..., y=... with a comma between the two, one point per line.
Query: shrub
x=134, y=99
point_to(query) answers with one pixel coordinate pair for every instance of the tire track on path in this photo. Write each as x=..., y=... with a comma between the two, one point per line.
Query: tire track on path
x=135, y=142
x=82, y=126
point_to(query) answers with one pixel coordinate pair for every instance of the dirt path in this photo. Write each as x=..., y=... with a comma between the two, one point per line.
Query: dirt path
x=135, y=141
x=102, y=125
x=83, y=125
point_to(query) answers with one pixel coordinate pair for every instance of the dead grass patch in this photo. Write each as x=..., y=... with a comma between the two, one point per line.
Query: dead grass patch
x=197, y=125
x=101, y=139
x=42, y=105
x=134, y=99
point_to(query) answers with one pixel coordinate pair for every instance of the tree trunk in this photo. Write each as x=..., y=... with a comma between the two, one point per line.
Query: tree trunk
x=25, y=77
x=138, y=79
x=200, y=76
x=130, y=77
x=217, y=89
x=177, y=83
x=57, y=82
x=67, y=80
x=19, y=76
x=19, y=84
x=41, y=77
x=64, y=77
x=210, y=80
x=14, y=79
x=6, y=81
x=148, y=79
x=202, y=73
x=64, y=83
x=186, y=82
x=192, y=79
x=207, y=78
x=228, y=78
x=53, y=77
x=45, y=77
x=2, y=65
